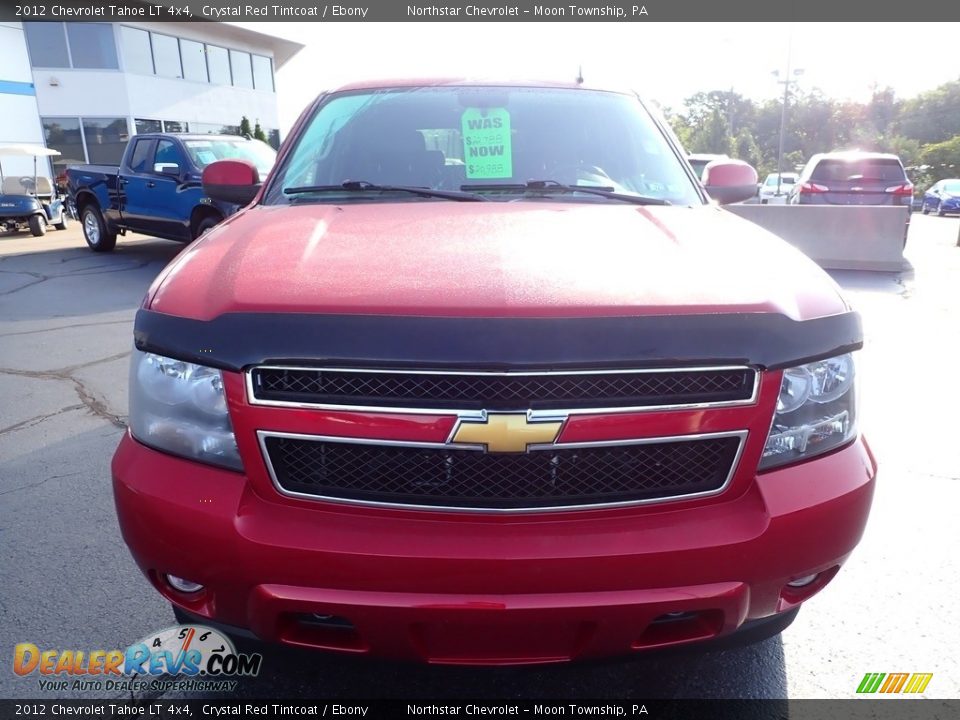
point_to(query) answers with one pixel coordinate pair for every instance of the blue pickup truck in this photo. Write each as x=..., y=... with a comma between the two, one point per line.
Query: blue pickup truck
x=156, y=190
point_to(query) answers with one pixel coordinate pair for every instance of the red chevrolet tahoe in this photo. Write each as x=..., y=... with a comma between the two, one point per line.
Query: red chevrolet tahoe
x=482, y=375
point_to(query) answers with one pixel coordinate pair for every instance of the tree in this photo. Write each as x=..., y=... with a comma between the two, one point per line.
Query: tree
x=932, y=116
x=258, y=133
x=245, y=127
x=942, y=159
x=746, y=148
x=713, y=136
x=678, y=123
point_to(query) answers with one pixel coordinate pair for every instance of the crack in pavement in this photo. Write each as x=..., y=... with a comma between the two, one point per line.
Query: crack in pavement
x=65, y=327
x=38, y=278
x=41, y=278
x=39, y=483
x=37, y=419
x=90, y=401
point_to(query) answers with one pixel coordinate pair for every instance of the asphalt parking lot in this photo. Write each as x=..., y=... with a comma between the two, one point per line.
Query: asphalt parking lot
x=68, y=582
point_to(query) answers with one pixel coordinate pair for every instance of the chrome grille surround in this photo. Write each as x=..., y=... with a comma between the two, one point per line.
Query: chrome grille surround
x=266, y=438
x=613, y=391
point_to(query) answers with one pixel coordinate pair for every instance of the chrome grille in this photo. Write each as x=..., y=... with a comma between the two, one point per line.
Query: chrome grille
x=468, y=479
x=501, y=391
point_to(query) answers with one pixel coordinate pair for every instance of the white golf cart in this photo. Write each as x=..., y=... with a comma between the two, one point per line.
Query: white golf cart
x=29, y=202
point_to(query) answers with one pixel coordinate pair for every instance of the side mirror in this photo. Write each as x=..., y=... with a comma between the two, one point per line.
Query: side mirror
x=167, y=169
x=232, y=181
x=729, y=181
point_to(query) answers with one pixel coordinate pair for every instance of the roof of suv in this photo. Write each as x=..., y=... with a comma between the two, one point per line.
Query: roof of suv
x=194, y=136
x=854, y=155
x=383, y=84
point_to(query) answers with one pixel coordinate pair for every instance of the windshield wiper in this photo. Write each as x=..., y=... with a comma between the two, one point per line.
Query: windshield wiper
x=364, y=186
x=557, y=187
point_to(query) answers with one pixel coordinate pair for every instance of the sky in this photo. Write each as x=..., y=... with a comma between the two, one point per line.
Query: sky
x=663, y=61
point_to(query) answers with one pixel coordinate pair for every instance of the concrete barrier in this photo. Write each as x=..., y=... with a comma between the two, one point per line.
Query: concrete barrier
x=837, y=237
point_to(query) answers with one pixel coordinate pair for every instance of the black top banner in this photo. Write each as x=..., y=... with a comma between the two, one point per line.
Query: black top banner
x=483, y=11
x=163, y=708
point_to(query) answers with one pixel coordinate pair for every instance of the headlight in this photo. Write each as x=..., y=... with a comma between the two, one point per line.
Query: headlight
x=181, y=408
x=816, y=411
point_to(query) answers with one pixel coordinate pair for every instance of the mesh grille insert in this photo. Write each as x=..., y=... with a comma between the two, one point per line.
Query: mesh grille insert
x=473, y=479
x=502, y=392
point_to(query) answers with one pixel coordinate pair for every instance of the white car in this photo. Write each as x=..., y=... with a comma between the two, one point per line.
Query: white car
x=770, y=194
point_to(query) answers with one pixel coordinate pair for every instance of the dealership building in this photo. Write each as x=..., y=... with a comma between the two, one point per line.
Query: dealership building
x=85, y=88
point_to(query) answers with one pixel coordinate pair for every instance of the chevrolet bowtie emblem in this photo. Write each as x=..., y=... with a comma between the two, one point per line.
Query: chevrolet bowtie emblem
x=506, y=432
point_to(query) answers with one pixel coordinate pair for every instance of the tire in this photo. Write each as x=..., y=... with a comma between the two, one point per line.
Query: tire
x=95, y=230
x=206, y=224
x=62, y=225
x=940, y=211
x=38, y=226
x=924, y=209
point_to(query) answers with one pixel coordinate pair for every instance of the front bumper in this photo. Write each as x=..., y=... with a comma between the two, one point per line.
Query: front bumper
x=489, y=589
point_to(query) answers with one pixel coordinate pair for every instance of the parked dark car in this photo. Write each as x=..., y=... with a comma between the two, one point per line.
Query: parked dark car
x=157, y=188
x=853, y=178
x=942, y=198
x=698, y=161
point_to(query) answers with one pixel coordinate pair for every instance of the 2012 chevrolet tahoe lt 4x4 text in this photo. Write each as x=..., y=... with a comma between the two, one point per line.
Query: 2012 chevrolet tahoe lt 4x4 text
x=481, y=375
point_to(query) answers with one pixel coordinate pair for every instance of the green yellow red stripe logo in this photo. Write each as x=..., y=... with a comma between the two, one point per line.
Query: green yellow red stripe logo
x=912, y=683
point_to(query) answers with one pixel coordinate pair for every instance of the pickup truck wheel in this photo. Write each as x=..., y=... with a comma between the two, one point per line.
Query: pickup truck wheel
x=95, y=230
x=206, y=224
x=38, y=225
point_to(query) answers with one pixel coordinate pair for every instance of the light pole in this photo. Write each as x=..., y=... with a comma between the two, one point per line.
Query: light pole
x=786, y=82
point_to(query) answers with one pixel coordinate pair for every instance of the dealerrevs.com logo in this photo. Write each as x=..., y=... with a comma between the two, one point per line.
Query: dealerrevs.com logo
x=200, y=657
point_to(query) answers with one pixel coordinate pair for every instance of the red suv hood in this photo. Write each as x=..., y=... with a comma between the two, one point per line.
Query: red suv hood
x=491, y=259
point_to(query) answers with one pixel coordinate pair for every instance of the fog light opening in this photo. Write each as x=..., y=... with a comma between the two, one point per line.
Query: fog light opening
x=801, y=582
x=674, y=628
x=327, y=621
x=184, y=586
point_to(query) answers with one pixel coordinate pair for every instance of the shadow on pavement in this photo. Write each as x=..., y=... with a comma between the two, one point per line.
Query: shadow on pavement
x=756, y=671
x=894, y=283
x=70, y=282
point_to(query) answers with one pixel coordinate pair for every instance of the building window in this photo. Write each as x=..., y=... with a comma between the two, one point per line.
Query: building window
x=175, y=126
x=137, y=56
x=194, y=60
x=63, y=134
x=218, y=61
x=106, y=139
x=214, y=129
x=47, y=45
x=92, y=46
x=166, y=56
x=273, y=137
x=140, y=126
x=83, y=45
x=262, y=73
x=240, y=65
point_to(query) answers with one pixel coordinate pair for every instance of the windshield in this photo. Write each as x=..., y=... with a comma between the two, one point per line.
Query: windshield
x=876, y=169
x=204, y=152
x=486, y=140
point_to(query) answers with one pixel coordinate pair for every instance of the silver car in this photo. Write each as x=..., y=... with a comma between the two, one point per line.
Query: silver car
x=772, y=193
